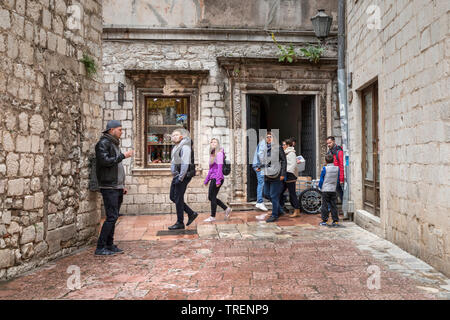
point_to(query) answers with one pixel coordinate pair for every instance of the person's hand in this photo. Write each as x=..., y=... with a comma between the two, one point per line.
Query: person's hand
x=281, y=178
x=125, y=191
x=129, y=153
x=298, y=161
x=258, y=169
x=218, y=185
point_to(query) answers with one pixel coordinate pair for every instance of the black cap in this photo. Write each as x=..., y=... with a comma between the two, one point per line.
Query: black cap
x=112, y=124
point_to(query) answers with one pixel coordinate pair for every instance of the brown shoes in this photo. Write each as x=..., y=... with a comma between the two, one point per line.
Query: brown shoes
x=295, y=214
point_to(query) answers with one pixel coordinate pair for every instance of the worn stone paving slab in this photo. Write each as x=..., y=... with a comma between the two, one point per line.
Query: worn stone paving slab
x=238, y=259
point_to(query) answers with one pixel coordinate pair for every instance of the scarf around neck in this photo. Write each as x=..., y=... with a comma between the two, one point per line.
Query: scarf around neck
x=112, y=138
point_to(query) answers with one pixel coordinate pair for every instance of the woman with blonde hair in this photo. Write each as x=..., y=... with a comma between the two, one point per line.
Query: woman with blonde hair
x=215, y=178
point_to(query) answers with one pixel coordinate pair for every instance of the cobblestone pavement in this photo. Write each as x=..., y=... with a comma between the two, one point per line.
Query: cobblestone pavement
x=241, y=258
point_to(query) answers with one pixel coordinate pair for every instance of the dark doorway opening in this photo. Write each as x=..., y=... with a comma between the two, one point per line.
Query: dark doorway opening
x=293, y=116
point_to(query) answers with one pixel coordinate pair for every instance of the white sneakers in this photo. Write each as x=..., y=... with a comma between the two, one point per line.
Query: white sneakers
x=227, y=213
x=261, y=206
x=261, y=216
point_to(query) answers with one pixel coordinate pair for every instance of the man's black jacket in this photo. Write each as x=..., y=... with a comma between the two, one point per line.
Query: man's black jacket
x=107, y=160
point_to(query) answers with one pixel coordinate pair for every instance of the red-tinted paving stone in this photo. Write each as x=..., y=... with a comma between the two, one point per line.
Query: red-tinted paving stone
x=181, y=267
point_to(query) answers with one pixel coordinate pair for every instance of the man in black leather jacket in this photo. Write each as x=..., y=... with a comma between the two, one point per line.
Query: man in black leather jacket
x=111, y=180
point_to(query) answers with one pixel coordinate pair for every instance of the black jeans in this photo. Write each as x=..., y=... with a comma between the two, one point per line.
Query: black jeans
x=212, y=196
x=177, y=196
x=112, y=200
x=329, y=201
x=293, y=199
x=340, y=192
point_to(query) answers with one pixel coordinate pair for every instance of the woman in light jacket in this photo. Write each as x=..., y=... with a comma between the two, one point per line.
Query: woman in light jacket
x=291, y=176
x=215, y=178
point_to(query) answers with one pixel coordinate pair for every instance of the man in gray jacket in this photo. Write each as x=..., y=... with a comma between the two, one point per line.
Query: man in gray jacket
x=183, y=169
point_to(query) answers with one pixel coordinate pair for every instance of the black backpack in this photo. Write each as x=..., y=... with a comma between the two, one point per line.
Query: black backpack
x=92, y=164
x=226, y=168
x=191, y=170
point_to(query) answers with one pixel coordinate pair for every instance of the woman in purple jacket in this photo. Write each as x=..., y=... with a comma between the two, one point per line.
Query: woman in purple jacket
x=215, y=179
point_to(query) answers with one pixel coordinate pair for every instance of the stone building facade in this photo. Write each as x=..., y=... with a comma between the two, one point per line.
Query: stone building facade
x=220, y=57
x=50, y=120
x=398, y=56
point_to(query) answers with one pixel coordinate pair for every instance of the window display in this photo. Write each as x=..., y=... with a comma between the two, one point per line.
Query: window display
x=163, y=116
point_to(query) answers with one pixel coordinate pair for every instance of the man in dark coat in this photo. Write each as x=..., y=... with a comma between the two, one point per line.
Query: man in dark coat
x=111, y=180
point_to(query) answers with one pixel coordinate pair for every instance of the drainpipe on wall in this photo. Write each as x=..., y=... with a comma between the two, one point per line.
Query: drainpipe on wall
x=343, y=105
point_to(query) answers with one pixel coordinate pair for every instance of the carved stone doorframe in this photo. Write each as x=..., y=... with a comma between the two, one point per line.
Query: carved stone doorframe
x=268, y=76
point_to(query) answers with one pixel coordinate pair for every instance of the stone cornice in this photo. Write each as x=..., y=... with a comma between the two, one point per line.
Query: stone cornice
x=127, y=32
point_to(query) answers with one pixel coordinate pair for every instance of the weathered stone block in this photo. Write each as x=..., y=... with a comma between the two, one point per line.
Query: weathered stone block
x=221, y=122
x=15, y=187
x=8, y=142
x=12, y=164
x=28, y=235
x=6, y=258
x=14, y=227
x=39, y=232
x=23, y=144
x=27, y=251
x=5, y=19
x=26, y=165
x=36, y=124
x=28, y=203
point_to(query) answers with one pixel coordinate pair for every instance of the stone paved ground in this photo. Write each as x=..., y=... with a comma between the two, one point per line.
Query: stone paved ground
x=237, y=259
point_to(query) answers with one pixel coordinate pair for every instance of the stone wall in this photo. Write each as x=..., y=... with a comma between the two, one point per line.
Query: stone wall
x=50, y=120
x=256, y=14
x=409, y=56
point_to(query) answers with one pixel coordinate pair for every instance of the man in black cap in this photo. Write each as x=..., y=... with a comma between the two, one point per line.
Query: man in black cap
x=111, y=180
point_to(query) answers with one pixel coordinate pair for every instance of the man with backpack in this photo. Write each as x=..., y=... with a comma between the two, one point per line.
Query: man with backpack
x=274, y=163
x=183, y=169
x=338, y=155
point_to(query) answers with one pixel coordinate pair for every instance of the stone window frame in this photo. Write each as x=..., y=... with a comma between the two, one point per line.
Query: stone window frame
x=162, y=84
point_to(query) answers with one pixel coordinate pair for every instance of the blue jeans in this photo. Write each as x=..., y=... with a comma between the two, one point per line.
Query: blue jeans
x=272, y=191
x=260, y=187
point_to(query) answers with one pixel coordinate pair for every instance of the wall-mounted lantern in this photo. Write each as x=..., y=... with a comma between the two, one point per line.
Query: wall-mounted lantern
x=322, y=24
x=121, y=93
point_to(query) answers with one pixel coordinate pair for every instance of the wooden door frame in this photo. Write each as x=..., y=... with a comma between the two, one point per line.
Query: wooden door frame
x=373, y=88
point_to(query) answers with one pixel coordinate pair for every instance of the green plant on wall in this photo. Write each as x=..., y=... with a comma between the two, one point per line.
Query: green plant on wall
x=286, y=53
x=313, y=53
x=89, y=64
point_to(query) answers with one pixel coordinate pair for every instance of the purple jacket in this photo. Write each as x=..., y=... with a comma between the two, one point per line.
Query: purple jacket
x=215, y=169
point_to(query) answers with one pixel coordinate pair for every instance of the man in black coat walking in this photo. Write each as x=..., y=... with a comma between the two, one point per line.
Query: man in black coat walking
x=111, y=180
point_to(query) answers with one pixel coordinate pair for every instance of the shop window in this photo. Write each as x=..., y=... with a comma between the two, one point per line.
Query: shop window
x=163, y=116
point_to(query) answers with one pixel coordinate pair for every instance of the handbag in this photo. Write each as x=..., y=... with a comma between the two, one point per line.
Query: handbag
x=226, y=168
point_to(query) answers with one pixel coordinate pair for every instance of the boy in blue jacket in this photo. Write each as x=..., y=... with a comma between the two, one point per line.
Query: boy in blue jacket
x=329, y=178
